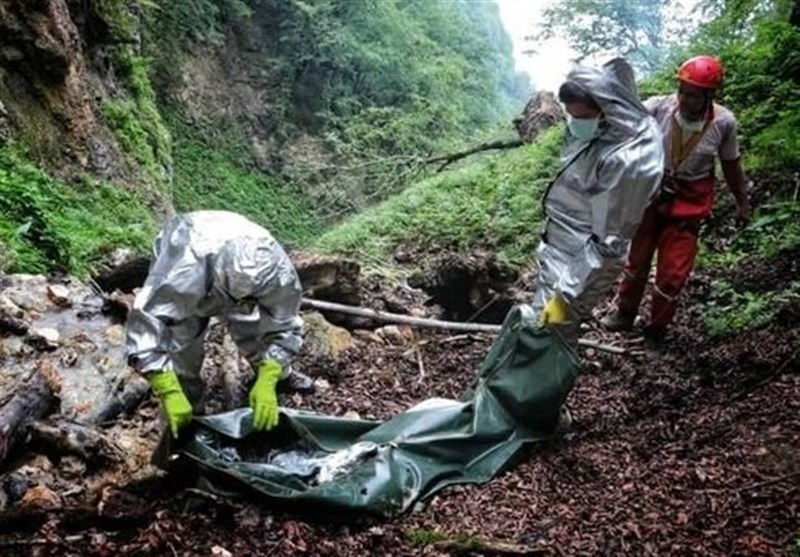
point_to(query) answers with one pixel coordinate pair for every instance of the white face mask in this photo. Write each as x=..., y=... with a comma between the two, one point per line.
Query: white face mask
x=689, y=125
x=584, y=129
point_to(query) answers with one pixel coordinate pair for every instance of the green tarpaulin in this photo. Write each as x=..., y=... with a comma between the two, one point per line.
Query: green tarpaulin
x=385, y=467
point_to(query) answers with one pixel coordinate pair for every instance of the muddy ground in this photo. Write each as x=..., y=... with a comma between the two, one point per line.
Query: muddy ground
x=691, y=450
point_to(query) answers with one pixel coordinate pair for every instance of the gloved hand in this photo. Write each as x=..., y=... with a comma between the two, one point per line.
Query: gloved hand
x=263, y=398
x=554, y=312
x=177, y=407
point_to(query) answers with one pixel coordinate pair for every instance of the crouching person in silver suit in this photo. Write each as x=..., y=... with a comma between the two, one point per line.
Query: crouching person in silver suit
x=216, y=263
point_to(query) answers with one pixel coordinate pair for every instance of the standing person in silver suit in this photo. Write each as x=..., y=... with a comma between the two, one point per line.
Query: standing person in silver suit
x=612, y=165
x=216, y=263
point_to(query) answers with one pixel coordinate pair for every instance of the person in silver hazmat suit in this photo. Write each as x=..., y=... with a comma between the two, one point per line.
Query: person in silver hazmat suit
x=612, y=166
x=216, y=263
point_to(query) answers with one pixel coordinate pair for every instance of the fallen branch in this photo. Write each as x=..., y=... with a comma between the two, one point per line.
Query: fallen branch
x=120, y=401
x=454, y=338
x=421, y=366
x=773, y=481
x=453, y=157
x=46, y=541
x=433, y=323
x=777, y=373
x=397, y=318
x=472, y=546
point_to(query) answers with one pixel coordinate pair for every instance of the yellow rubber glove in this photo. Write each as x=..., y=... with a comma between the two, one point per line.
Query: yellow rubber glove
x=263, y=398
x=554, y=312
x=176, y=406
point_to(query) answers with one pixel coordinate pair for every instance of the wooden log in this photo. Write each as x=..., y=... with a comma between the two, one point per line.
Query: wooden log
x=436, y=323
x=34, y=399
x=469, y=545
x=60, y=436
x=397, y=318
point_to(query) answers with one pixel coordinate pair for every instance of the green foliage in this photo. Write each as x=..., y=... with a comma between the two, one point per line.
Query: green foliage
x=775, y=227
x=368, y=81
x=421, y=537
x=636, y=30
x=761, y=53
x=199, y=21
x=207, y=177
x=340, y=58
x=135, y=119
x=729, y=311
x=495, y=204
x=117, y=18
x=49, y=225
x=794, y=547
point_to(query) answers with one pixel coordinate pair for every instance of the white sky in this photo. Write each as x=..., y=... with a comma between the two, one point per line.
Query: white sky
x=550, y=64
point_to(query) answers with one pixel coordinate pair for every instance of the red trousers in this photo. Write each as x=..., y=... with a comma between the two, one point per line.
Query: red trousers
x=675, y=240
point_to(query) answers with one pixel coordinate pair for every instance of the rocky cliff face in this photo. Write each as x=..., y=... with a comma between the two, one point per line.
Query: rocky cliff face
x=55, y=74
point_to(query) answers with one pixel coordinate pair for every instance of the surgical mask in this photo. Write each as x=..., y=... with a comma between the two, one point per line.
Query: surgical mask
x=689, y=125
x=584, y=129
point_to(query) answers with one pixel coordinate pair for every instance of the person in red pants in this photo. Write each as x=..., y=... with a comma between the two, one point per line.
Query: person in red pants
x=695, y=130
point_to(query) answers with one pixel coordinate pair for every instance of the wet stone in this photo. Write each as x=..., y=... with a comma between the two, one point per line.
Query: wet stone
x=8, y=307
x=59, y=294
x=16, y=485
x=45, y=339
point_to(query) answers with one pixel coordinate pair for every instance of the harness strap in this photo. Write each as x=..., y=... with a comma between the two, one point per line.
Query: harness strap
x=680, y=150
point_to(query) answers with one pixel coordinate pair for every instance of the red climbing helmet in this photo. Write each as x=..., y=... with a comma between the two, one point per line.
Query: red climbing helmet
x=703, y=71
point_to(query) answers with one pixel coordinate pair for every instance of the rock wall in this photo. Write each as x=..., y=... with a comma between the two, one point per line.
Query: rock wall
x=55, y=73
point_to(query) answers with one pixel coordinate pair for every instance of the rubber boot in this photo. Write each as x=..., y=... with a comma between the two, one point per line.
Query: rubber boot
x=296, y=382
x=618, y=321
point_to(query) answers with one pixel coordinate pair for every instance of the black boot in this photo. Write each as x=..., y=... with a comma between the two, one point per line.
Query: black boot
x=296, y=382
x=619, y=320
x=654, y=338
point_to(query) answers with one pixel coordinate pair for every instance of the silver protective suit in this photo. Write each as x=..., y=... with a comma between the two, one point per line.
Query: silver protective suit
x=597, y=200
x=214, y=263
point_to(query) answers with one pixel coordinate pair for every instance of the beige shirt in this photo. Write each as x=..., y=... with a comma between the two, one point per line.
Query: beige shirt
x=718, y=140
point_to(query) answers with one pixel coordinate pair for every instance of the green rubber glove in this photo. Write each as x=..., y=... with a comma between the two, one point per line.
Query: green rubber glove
x=263, y=398
x=554, y=311
x=176, y=406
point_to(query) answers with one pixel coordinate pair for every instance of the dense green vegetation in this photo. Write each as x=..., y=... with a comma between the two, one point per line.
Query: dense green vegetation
x=375, y=84
x=373, y=87
x=494, y=204
x=209, y=175
x=48, y=225
x=135, y=119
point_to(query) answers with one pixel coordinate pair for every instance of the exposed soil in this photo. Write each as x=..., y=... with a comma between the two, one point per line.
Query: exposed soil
x=691, y=450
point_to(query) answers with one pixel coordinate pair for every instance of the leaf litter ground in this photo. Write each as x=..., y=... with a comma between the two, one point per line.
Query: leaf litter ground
x=690, y=450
